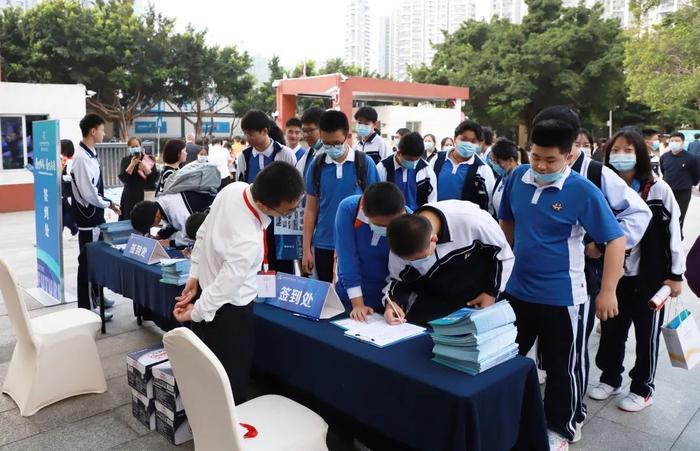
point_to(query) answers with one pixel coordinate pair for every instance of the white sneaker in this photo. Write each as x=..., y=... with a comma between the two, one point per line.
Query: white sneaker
x=541, y=376
x=603, y=391
x=577, y=433
x=557, y=442
x=634, y=403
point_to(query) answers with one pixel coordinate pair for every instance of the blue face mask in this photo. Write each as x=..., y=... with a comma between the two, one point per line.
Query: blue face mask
x=467, y=149
x=406, y=164
x=318, y=144
x=497, y=169
x=546, y=179
x=623, y=162
x=379, y=230
x=423, y=265
x=655, y=144
x=363, y=130
x=335, y=152
x=133, y=151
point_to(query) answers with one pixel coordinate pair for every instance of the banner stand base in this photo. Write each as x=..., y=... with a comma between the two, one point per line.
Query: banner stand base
x=42, y=297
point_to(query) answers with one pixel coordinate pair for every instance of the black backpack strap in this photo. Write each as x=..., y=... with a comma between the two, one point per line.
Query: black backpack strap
x=361, y=169
x=595, y=173
x=424, y=187
x=439, y=162
x=276, y=148
x=388, y=164
x=247, y=154
x=318, y=164
x=474, y=188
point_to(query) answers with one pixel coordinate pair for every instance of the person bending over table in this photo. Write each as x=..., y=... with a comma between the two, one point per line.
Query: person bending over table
x=446, y=256
x=227, y=256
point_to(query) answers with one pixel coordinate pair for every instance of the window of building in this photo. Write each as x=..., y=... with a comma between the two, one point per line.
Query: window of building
x=16, y=140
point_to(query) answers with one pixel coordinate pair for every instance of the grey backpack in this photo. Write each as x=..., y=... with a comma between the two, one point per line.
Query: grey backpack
x=194, y=176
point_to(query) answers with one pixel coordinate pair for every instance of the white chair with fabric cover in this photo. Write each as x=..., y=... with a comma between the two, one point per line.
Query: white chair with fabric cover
x=55, y=356
x=281, y=424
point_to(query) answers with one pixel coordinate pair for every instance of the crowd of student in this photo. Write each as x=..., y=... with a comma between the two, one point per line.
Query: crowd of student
x=563, y=232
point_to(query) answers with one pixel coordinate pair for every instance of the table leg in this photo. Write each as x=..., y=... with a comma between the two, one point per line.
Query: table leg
x=139, y=314
x=101, y=295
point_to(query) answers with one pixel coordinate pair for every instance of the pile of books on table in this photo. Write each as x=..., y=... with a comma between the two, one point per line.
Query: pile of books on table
x=175, y=271
x=116, y=233
x=474, y=340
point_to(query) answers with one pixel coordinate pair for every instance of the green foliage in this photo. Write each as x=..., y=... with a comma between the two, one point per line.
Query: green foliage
x=662, y=66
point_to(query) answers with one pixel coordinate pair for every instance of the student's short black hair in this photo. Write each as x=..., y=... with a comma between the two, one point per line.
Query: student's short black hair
x=143, y=215
x=642, y=171
x=383, y=199
x=276, y=133
x=588, y=134
x=237, y=139
x=194, y=222
x=649, y=132
x=409, y=234
x=227, y=145
x=412, y=145
x=333, y=120
x=312, y=115
x=278, y=182
x=556, y=126
x=255, y=121
x=90, y=121
x=470, y=125
x=488, y=136
x=215, y=140
x=677, y=135
x=172, y=149
x=505, y=150
x=292, y=122
x=696, y=136
x=67, y=148
x=366, y=112
x=402, y=131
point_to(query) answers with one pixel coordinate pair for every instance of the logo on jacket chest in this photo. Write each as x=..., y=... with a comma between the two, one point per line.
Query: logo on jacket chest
x=557, y=206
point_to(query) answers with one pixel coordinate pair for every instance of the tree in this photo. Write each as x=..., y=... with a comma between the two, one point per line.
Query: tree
x=264, y=96
x=558, y=55
x=662, y=69
x=206, y=80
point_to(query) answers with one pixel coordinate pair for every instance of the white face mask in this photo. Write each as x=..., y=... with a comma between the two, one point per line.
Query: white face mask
x=202, y=158
x=586, y=151
x=675, y=147
x=423, y=265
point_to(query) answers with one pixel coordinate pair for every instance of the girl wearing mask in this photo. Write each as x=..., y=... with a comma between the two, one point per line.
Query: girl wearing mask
x=656, y=261
x=447, y=144
x=138, y=173
x=430, y=147
x=505, y=156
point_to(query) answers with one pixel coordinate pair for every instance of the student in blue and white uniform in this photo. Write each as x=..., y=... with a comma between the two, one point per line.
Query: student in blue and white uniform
x=461, y=173
x=545, y=211
x=445, y=256
x=292, y=133
x=656, y=261
x=263, y=150
x=505, y=156
x=410, y=172
x=362, y=248
x=367, y=123
x=337, y=171
x=312, y=136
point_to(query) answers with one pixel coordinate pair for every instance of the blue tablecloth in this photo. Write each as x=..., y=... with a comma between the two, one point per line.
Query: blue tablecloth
x=396, y=394
x=154, y=301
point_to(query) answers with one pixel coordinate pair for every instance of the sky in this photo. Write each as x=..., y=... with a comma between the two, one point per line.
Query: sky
x=293, y=30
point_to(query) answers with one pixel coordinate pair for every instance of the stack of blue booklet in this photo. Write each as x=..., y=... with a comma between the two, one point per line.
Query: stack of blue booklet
x=175, y=271
x=116, y=232
x=474, y=340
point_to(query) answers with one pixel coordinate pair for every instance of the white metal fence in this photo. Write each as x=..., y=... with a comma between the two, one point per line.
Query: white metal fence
x=110, y=156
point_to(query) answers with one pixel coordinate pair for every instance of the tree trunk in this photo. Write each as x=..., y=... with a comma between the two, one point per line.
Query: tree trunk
x=198, y=121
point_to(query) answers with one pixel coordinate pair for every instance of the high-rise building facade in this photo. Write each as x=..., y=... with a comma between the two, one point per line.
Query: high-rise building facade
x=357, y=34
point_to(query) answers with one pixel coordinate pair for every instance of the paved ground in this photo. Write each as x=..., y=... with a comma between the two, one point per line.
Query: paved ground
x=104, y=421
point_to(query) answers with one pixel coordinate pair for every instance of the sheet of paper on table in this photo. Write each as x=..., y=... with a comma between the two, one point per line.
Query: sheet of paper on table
x=349, y=323
x=382, y=334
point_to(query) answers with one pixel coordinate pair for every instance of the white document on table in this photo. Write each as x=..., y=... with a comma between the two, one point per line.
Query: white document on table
x=349, y=323
x=383, y=334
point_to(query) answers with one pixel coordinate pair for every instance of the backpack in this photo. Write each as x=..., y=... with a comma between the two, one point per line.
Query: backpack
x=594, y=173
x=474, y=188
x=248, y=153
x=423, y=188
x=194, y=176
x=360, y=170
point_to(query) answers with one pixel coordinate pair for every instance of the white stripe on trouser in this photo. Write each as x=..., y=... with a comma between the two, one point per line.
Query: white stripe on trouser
x=653, y=345
x=575, y=371
x=583, y=352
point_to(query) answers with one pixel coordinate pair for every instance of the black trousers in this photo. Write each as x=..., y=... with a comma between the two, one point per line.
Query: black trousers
x=683, y=199
x=230, y=337
x=560, y=332
x=68, y=218
x=87, y=293
x=647, y=328
x=286, y=266
x=324, y=261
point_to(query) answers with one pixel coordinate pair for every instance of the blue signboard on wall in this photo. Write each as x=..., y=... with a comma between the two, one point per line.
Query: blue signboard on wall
x=150, y=127
x=219, y=127
x=47, y=208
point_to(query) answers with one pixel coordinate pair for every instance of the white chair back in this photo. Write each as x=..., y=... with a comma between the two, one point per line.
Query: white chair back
x=14, y=303
x=205, y=390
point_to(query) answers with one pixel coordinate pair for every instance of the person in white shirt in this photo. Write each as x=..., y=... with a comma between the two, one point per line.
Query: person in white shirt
x=219, y=156
x=227, y=255
x=89, y=201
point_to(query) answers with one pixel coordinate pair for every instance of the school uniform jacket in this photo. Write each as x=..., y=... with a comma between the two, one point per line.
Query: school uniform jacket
x=473, y=257
x=88, y=189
